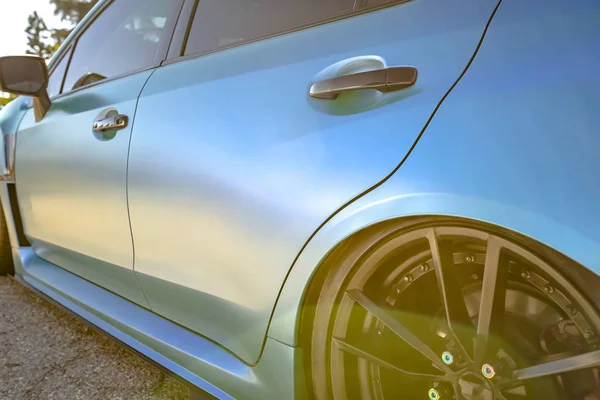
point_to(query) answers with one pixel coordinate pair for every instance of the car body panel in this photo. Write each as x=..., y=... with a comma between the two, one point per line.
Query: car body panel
x=196, y=359
x=72, y=185
x=233, y=166
x=515, y=144
x=10, y=118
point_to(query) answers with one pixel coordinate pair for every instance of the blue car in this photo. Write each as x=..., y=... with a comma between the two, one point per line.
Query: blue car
x=341, y=199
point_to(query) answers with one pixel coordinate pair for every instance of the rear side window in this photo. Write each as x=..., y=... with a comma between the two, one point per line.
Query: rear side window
x=124, y=38
x=222, y=23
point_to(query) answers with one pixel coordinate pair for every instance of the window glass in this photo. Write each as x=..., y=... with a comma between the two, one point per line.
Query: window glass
x=221, y=23
x=56, y=77
x=124, y=38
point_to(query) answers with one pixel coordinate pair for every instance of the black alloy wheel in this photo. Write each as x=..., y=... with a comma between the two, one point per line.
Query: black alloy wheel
x=444, y=309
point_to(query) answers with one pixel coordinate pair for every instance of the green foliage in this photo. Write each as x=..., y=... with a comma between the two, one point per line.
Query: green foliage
x=5, y=100
x=72, y=10
x=59, y=36
x=44, y=41
x=38, y=35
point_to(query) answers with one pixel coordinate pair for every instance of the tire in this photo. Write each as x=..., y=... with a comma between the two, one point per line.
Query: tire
x=375, y=321
x=6, y=260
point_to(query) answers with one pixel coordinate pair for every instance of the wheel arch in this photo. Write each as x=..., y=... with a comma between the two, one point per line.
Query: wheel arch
x=368, y=217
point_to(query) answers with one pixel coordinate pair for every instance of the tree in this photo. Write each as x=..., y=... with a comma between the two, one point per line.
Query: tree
x=44, y=41
x=72, y=11
x=38, y=35
x=59, y=36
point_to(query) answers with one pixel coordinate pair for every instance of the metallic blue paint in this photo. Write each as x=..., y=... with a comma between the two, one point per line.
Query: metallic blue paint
x=233, y=166
x=515, y=144
x=10, y=118
x=12, y=114
x=72, y=185
x=220, y=211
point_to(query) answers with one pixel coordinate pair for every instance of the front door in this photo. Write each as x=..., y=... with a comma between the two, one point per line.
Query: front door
x=71, y=178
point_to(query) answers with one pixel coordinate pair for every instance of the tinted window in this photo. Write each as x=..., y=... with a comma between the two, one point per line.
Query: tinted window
x=56, y=77
x=221, y=23
x=124, y=38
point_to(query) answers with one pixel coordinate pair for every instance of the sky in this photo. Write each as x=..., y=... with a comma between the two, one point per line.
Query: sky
x=14, y=13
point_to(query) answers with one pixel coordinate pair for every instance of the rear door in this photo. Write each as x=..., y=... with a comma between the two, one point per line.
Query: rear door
x=233, y=164
x=71, y=179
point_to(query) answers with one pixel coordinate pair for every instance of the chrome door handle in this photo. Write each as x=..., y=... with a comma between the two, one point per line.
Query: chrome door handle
x=385, y=80
x=116, y=122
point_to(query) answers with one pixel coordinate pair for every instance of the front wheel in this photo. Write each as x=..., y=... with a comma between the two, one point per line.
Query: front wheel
x=443, y=309
x=6, y=261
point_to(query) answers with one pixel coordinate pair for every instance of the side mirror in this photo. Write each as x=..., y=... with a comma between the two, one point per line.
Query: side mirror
x=26, y=75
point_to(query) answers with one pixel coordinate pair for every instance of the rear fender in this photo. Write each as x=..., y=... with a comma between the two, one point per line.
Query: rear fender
x=515, y=144
x=377, y=208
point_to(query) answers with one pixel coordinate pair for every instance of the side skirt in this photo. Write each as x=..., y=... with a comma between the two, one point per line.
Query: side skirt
x=209, y=370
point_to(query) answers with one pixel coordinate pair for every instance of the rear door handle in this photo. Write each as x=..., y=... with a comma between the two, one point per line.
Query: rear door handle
x=117, y=122
x=385, y=80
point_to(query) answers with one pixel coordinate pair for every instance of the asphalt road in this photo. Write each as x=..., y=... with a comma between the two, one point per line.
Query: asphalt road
x=48, y=354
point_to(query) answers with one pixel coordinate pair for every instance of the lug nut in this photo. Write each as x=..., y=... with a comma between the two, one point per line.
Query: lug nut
x=549, y=289
x=408, y=278
x=525, y=274
x=424, y=267
x=474, y=277
x=433, y=394
x=571, y=310
x=470, y=258
x=447, y=358
x=488, y=371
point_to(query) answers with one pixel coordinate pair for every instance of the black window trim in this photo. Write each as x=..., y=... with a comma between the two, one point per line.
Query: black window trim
x=59, y=57
x=161, y=52
x=67, y=53
x=176, y=54
x=182, y=30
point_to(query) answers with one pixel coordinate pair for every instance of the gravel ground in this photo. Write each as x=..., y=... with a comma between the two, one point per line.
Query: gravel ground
x=48, y=354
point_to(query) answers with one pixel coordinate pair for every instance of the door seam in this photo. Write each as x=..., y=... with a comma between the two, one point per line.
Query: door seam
x=137, y=101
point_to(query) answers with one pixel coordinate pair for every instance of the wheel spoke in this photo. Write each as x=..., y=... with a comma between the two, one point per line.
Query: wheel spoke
x=566, y=364
x=449, y=287
x=457, y=393
x=512, y=396
x=350, y=349
x=398, y=328
x=457, y=311
x=493, y=295
x=596, y=382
